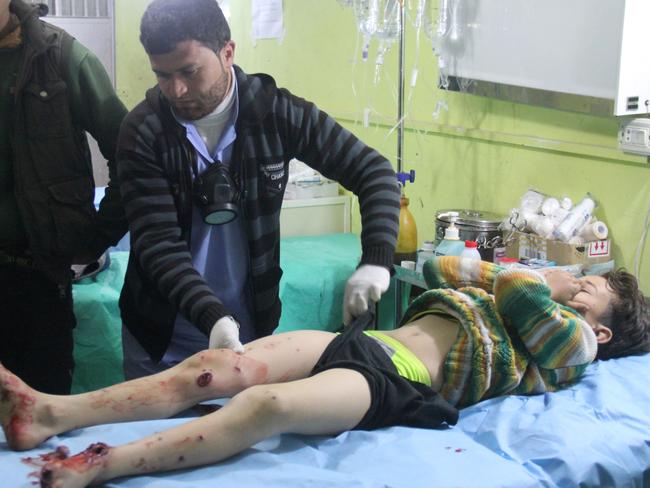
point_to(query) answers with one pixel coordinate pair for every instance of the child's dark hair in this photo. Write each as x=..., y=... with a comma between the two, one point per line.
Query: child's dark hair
x=628, y=318
x=166, y=23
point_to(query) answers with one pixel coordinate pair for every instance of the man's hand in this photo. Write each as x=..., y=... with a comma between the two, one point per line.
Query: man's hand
x=564, y=286
x=225, y=334
x=366, y=284
x=81, y=271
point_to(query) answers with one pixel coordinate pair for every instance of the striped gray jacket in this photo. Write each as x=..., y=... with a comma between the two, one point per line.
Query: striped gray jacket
x=274, y=126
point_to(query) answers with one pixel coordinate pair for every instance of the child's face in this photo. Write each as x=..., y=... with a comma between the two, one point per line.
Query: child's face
x=593, y=299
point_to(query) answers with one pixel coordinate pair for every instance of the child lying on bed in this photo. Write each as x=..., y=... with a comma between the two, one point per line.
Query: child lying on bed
x=458, y=345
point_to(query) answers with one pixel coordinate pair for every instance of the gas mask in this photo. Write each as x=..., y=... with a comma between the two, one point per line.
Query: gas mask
x=216, y=194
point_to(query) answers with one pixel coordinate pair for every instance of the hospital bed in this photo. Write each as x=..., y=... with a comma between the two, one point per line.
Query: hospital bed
x=595, y=433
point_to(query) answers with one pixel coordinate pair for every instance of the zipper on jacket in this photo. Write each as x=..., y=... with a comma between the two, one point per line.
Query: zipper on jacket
x=243, y=194
x=185, y=190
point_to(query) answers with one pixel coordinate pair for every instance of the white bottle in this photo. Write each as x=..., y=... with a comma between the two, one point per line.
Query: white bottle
x=424, y=254
x=471, y=251
x=577, y=217
x=451, y=245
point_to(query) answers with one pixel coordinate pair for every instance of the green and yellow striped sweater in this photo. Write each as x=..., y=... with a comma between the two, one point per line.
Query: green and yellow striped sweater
x=514, y=338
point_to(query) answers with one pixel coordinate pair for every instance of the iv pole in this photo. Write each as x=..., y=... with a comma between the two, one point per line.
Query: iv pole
x=400, y=95
x=401, y=175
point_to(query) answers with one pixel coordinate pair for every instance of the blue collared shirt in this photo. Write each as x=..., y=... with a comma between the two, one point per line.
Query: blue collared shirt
x=219, y=253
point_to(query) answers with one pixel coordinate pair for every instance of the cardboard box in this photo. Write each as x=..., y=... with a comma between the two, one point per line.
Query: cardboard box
x=522, y=245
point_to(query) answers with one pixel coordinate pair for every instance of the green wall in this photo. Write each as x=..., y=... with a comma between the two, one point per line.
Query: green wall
x=478, y=153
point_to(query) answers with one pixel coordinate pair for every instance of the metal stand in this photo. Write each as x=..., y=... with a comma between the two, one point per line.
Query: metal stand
x=400, y=95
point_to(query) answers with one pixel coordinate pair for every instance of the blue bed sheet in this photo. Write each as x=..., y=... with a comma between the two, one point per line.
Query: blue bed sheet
x=593, y=434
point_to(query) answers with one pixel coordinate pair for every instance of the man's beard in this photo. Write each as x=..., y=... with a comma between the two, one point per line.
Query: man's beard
x=205, y=103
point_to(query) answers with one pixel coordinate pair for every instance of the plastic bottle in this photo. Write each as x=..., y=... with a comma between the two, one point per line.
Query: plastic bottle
x=425, y=253
x=471, y=251
x=407, y=238
x=577, y=217
x=451, y=245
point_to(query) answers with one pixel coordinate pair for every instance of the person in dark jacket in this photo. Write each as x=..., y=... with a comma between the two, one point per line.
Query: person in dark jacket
x=203, y=166
x=52, y=90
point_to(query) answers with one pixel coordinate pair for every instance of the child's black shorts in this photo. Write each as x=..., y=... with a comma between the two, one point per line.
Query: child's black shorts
x=395, y=400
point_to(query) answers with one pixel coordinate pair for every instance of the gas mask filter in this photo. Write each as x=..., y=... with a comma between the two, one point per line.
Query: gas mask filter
x=216, y=194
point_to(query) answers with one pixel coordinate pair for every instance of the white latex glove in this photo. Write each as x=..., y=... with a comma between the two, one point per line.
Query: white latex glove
x=365, y=285
x=225, y=334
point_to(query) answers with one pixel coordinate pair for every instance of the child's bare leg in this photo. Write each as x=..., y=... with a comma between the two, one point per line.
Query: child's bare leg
x=29, y=417
x=328, y=403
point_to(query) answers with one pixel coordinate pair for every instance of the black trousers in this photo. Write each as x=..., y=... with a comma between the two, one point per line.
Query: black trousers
x=36, y=324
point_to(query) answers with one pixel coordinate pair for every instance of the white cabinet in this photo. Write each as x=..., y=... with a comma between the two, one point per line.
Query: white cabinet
x=533, y=51
x=315, y=216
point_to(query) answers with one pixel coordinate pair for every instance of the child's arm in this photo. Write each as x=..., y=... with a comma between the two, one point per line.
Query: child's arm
x=457, y=272
x=555, y=336
x=564, y=286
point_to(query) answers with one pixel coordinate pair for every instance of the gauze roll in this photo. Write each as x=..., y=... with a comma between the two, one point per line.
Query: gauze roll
x=594, y=231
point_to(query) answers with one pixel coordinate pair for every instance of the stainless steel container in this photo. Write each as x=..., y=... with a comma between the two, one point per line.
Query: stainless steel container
x=474, y=225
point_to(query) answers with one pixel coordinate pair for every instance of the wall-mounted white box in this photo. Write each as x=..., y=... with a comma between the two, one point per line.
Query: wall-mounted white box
x=634, y=136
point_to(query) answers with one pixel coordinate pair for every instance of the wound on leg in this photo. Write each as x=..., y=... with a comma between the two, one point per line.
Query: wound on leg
x=204, y=380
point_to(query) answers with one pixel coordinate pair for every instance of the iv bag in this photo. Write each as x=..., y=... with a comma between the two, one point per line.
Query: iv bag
x=389, y=26
x=367, y=15
x=388, y=31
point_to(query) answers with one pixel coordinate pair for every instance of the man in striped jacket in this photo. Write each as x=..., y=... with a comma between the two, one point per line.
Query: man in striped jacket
x=203, y=165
